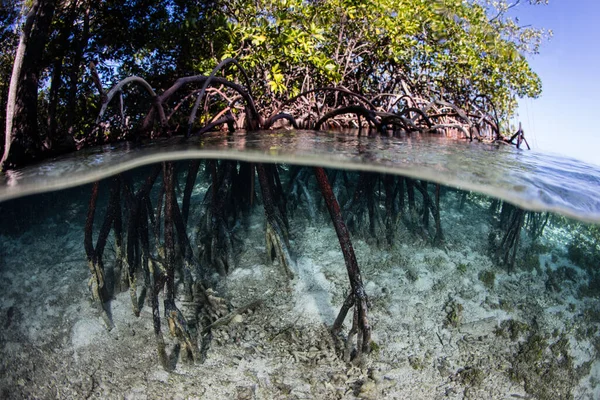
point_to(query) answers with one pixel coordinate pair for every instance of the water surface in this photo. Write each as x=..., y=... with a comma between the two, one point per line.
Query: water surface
x=533, y=180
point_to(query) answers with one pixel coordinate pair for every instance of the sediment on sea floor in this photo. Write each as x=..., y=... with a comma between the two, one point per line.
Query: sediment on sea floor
x=464, y=294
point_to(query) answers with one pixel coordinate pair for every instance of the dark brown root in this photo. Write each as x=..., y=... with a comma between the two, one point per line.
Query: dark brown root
x=357, y=297
x=217, y=238
x=511, y=221
x=360, y=213
x=97, y=284
x=276, y=227
x=432, y=206
x=178, y=325
x=159, y=260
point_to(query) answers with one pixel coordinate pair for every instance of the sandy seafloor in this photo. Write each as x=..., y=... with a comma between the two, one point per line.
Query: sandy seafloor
x=439, y=331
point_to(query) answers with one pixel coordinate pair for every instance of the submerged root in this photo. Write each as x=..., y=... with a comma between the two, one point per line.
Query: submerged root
x=121, y=275
x=178, y=327
x=278, y=247
x=360, y=214
x=215, y=236
x=298, y=192
x=96, y=282
x=99, y=292
x=217, y=246
x=358, y=298
x=511, y=222
x=277, y=243
x=162, y=351
x=212, y=307
x=201, y=312
x=135, y=307
x=360, y=330
x=221, y=250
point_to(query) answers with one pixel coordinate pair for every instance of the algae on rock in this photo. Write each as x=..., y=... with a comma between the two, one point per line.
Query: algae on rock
x=546, y=369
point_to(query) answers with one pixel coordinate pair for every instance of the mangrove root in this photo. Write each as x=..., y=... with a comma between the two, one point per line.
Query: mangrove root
x=276, y=227
x=179, y=328
x=357, y=298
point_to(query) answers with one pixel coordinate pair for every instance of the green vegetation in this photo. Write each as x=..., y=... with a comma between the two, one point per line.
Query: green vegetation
x=454, y=313
x=584, y=248
x=488, y=278
x=411, y=274
x=513, y=329
x=531, y=262
x=531, y=257
x=417, y=363
x=555, y=279
x=592, y=288
x=468, y=53
x=503, y=304
x=546, y=369
x=471, y=376
x=436, y=263
x=374, y=46
x=375, y=348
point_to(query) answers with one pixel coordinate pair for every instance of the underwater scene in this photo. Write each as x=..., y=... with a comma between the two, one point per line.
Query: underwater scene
x=299, y=277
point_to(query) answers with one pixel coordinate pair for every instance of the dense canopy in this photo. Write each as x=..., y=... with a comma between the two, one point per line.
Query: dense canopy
x=61, y=57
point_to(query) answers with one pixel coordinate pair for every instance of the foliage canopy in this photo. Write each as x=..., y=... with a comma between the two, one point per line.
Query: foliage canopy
x=444, y=48
x=467, y=52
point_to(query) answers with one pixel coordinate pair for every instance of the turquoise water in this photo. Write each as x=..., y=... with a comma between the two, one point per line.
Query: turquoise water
x=480, y=264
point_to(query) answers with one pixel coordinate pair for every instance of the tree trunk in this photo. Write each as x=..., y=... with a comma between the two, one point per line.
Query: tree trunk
x=75, y=73
x=22, y=141
x=53, y=139
x=14, y=79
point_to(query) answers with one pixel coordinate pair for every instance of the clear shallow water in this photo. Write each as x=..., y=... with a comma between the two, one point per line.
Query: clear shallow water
x=453, y=315
x=533, y=180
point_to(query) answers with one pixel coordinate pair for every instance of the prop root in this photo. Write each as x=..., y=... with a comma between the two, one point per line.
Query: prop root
x=357, y=297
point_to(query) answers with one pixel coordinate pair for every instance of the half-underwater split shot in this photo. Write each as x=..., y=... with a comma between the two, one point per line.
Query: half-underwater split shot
x=292, y=199
x=259, y=273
